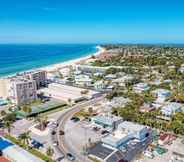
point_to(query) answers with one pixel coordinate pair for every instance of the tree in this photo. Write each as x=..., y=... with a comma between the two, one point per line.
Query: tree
x=70, y=101
x=8, y=125
x=11, y=117
x=3, y=113
x=42, y=122
x=90, y=110
x=50, y=151
x=26, y=109
x=24, y=137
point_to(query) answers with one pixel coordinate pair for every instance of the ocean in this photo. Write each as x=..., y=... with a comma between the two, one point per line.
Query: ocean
x=21, y=57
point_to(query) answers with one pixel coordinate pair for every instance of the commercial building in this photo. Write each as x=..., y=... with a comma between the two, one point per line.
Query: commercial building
x=68, y=93
x=22, y=91
x=171, y=108
x=125, y=132
x=107, y=121
x=15, y=153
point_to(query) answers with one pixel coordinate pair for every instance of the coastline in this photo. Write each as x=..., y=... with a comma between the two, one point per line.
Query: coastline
x=73, y=61
x=61, y=65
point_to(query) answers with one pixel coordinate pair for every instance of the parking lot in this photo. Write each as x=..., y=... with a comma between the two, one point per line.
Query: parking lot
x=80, y=134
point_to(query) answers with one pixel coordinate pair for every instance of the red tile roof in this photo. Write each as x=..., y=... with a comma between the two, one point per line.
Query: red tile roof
x=3, y=159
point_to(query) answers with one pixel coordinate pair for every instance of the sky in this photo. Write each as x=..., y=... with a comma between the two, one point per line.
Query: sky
x=91, y=21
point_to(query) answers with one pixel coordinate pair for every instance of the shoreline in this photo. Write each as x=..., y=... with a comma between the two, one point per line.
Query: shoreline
x=72, y=62
x=60, y=65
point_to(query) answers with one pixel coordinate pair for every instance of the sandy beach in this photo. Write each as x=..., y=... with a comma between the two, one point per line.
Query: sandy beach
x=53, y=67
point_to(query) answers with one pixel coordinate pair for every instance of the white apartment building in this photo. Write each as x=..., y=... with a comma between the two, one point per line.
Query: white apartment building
x=22, y=91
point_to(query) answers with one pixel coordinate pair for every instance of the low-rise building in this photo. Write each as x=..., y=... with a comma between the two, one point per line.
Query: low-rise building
x=67, y=93
x=147, y=107
x=125, y=132
x=14, y=153
x=83, y=80
x=91, y=69
x=99, y=85
x=161, y=95
x=117, y=102
x=171, y=108
x=110, y=76
x=107, y=121
x=141, y=87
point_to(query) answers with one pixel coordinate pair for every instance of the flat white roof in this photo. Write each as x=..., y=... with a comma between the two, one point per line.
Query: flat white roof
x=66, y=92
x=18, y=154
x=130, y=126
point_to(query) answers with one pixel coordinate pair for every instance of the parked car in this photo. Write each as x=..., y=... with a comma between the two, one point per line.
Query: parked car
x=96, y=129
x=105, y=132
x=75, y=119
x=53, y=133
x=70, y=157
x=56, y=143
x=59, y=159
x=61, y=132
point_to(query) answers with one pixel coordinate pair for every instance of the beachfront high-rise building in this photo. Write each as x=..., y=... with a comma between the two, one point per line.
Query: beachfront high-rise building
x=40, y=76
x=22, y=91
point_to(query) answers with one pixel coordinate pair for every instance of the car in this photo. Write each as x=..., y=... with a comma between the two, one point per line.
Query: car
x=104, y=132
x=55, y=143
x=75, y=119
x=53, y=133
x=61, y=132
x=59, y=159
x=96, y=129
x=70, y=157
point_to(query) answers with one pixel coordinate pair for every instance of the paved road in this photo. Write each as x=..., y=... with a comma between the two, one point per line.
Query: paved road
x=63, y=146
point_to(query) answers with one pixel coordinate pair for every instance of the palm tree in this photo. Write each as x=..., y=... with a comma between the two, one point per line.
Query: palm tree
x=8, y=125
x=50, y=151
x=24, y=137
x=26, y=109
x=42, y=120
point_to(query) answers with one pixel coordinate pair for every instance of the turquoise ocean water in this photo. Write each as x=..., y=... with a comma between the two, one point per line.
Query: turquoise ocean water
x=17, y=58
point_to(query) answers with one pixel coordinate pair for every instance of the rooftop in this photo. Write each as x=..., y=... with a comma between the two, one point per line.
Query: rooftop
x=172, y=106
x=133, y=127
x=107, y=119
x=3, y=159
x=100, y=151
x=16, y=153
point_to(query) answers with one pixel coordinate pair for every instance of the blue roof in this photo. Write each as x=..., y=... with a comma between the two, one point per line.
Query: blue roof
x=4, y=144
